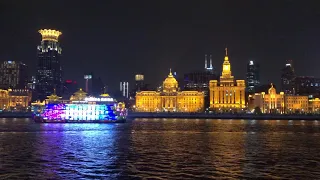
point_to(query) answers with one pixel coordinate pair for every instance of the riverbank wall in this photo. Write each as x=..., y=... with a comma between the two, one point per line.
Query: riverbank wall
x=133, y=115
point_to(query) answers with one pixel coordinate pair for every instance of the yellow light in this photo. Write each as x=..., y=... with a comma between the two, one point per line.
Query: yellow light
x=49, y=34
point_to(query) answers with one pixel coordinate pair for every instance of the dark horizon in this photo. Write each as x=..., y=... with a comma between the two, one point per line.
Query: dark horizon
x=116, y=40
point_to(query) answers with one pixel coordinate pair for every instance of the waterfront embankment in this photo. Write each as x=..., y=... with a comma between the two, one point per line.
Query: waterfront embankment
x=133, y=115
x=15, y=114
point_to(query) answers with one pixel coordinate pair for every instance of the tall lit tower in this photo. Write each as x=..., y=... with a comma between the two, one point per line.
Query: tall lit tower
x=87, y=77
x=288, y=78
x=253, y=77
x=210, y=68
x=49, y=70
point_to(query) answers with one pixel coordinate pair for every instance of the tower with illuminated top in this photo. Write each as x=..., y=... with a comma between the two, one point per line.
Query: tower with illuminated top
x=49, y=70
x=227, y=94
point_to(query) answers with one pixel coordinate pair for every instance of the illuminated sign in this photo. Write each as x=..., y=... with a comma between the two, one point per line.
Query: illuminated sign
x=99, y=99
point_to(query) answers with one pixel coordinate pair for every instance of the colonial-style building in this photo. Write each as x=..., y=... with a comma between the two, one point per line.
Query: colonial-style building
x=269, y=103
x=279, y=103
x=170, y=99
x=227, y=93
x=15, y=99
x=314, y=105
x=296, y=104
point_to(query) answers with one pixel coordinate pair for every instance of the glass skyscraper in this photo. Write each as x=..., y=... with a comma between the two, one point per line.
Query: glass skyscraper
x=288, y=78
x=49, y=70
x=253, y=77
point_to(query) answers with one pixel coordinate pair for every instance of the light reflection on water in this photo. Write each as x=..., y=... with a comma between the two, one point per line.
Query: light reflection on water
x=160, y=148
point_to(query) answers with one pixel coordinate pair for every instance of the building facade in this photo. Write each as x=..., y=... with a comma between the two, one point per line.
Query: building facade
x=49, y=69
x=307, y=85
x=170, y=99
x=253, y=77
x=288, y=78
x=13, y=74
x=270, y=102
x=314, y=105
x=296, y=104
x=227, y=93
x=15, y=99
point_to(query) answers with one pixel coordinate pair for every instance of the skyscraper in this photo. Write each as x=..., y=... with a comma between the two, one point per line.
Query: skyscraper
x=253, y=77
x=49, y=70
x=287, y=78
x=13, y=74
x=139, y=78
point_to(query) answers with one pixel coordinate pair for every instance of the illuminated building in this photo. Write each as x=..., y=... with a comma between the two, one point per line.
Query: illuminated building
x=253, y=77
x=307, y=85
x=19, y=99
x=227, y=93
x=49, y=70
x=13, y=74
x=296, y=104
x=271, y=102
x=287, y=78
x=4, y=99
x=199, y=80
x=170, y=99
x=314, y=105
x=15, y=99
x=79, y=95
x=139, y=78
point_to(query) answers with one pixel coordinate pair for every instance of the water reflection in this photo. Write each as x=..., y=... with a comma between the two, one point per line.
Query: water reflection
x=160, y=149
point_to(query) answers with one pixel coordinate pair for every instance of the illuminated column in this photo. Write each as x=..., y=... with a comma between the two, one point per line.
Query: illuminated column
x=120, y=86
x=127, y=89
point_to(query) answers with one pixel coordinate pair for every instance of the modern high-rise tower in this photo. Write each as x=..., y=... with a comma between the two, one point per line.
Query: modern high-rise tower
x=13, y=74
x=253, y=77
x=49, y=70
x=288, y=78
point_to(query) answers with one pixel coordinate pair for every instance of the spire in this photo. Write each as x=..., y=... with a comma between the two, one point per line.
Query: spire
x=211, y=61
x=170, y=74
x=54, y=90
x=205, y=62
x=271, y=85
x=226, y=58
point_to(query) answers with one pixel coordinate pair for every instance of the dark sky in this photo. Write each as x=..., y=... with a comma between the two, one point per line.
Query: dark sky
x=117, y=39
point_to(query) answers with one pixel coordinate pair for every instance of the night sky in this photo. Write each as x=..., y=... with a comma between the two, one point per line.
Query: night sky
x=117, y=39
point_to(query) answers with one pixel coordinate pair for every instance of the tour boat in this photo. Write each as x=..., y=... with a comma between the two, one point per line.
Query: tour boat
x=88, y=110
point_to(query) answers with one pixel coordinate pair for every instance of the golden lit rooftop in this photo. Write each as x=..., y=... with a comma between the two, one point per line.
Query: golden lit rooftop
x=50, y=34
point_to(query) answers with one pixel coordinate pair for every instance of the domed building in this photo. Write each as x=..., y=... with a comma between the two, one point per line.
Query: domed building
x=271, y=102
x=170, y=99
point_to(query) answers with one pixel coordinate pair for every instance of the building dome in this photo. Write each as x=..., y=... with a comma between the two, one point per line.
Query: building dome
x=170, y=84
x=272, y=90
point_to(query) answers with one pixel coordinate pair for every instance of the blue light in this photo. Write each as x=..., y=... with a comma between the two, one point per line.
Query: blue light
x=79, y=112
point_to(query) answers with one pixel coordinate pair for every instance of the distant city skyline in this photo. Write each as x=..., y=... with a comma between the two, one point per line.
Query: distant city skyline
x=150, y=37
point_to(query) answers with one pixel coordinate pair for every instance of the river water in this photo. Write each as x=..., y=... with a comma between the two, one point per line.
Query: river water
x=161, y=149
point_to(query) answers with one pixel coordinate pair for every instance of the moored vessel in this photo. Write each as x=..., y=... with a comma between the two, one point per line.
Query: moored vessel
x=81, y=109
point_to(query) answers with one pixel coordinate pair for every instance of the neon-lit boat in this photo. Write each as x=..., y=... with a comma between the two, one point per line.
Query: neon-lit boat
x=103, y=109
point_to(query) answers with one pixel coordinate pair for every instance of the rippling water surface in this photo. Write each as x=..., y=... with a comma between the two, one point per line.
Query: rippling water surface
x=160, y=149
